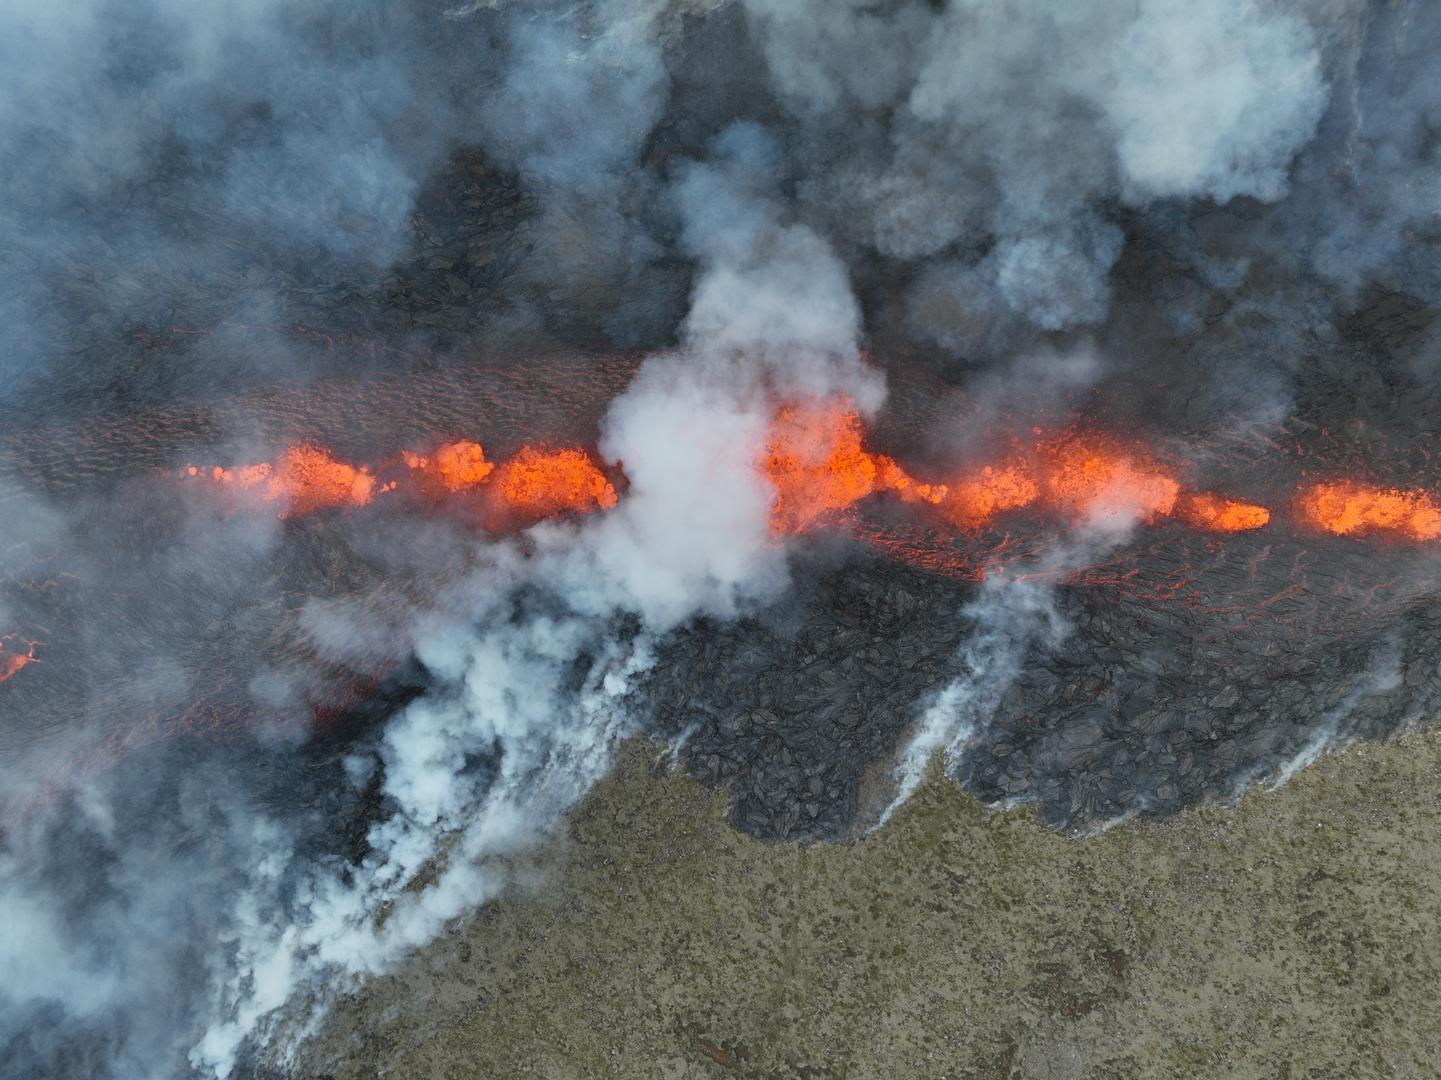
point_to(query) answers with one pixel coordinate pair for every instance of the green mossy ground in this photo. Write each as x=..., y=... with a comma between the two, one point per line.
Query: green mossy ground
x=1296, y=935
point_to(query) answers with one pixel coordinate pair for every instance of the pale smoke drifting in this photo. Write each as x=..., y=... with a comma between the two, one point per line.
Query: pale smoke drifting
x=577, y=98
x=771, y=293
x=482, y=767
x=1011, y=618
x=144, y=140
x=992, y=141
x=1383, y=676
x=1369, y=187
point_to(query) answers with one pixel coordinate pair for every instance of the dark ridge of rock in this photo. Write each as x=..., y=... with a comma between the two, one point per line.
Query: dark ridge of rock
x=1141, y=708
x=791, y=709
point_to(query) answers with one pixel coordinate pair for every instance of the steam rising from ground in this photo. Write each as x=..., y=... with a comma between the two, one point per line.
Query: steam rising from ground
x=1013, y=616
x=529, y=689
x=755, y=187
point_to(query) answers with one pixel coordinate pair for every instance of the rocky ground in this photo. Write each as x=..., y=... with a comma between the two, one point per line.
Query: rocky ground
x=1293, y=935
x=1144, y=703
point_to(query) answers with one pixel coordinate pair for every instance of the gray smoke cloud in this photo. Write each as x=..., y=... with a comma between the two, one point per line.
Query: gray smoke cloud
x=1011, y=618
x=995, y=143
x=158, y=152
x=770, y=291
x=1366, y=190
x=578, y=97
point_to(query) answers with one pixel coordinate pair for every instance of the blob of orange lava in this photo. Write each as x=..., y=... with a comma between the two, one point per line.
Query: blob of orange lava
x=1078, y=477
x=1086, y=478
x=891, y=477
x=456, y=466
x=306, y=478
x=1214, y=513
x=1349, y=508
x=12, y=659
x=538, y=483
x=973, y=500
x=814, y=460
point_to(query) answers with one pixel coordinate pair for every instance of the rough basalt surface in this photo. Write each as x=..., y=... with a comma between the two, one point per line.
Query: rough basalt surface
x=1137, y=709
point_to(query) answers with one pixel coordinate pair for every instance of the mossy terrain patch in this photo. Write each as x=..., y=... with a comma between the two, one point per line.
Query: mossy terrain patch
x=1295, y=935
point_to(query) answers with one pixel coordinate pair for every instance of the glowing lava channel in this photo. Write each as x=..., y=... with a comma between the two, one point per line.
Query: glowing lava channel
x=16, y=655
x=816, y=461
x=305, y=478
x=456, y=466
x=536, y=483
x=1348, y=508
x=818, y=465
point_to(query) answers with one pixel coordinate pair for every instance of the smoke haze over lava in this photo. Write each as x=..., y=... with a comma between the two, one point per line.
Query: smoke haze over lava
x=405, y=403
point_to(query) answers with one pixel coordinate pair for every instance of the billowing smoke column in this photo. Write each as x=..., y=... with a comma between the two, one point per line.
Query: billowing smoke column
x=315, y=673
x=532, y=684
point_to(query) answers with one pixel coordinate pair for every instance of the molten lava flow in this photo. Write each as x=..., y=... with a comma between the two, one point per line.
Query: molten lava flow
x=539, y=483
x=1217, y=514
x=815, y=461
x=973, y=500
x=1086, y=478
x=1347, y=508
x=1074, y=477
x=12, y=659
x=534, y=484
x=310, y=478
x=306, y=478
x=456, y=466
x=891, y=477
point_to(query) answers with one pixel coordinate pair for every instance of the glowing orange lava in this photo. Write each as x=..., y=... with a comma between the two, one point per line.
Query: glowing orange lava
x=12, y=659
x=540, y=483
x=306, y=478
x=1217, y=514
x=974, y=500
x=1088, y=479
x=815, y=461
x=891, y=477
x=456, y=466
x=1076, y=477
x=1348, y=508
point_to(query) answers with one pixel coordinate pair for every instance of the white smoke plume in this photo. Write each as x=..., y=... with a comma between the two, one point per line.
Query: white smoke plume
x=771, y=292
x=1011, y=617
x=1382, y=677
x=1014, y=616
x=530, y=688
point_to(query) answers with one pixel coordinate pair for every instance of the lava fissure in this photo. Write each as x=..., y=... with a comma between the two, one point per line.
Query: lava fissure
x=16, y=655
x=815, y=458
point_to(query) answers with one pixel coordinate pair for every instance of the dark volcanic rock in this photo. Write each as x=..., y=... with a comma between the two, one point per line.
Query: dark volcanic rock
x=1144, y=707
x=792, y=708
